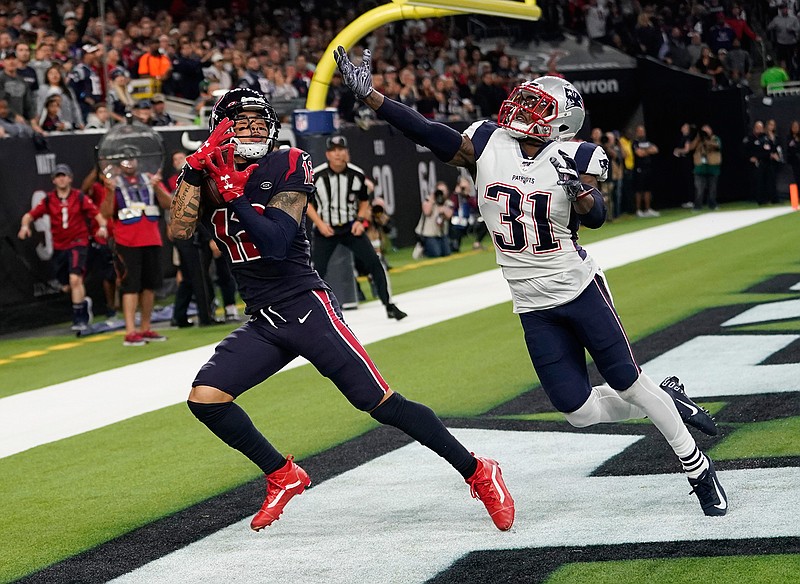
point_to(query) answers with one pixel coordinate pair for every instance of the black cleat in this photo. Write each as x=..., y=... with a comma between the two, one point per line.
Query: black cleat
x=710, y=493
x=393, y=312
x=690, y=412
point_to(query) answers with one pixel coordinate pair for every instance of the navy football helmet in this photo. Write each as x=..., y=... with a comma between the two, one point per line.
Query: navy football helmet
x=232, y=105
x=547, y=108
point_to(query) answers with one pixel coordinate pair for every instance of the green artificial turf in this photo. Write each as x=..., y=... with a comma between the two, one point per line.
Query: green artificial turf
x=104, y=483
x=773, y=438
x=772, y=569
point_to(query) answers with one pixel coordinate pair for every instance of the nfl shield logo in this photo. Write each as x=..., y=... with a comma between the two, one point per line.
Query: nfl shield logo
x=301, y=122
x=573, y=98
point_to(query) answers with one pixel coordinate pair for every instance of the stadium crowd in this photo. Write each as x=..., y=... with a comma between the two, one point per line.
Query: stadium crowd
x=77, y=68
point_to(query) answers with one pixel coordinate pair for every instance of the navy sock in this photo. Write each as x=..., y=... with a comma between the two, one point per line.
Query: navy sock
x=233, y=426
x=422, y=424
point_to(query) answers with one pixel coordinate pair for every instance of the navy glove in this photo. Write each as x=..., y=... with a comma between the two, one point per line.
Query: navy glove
x=358, y=79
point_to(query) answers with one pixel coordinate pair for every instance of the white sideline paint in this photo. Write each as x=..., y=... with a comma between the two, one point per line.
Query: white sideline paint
x=66, y=409
x=387, y=522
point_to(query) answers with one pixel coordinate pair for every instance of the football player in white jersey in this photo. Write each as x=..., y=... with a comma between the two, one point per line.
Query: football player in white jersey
x=535, y=188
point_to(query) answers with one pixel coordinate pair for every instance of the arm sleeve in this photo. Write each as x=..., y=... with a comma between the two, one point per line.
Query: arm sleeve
x=597, y=214
x=442, y=140
x=272, y=233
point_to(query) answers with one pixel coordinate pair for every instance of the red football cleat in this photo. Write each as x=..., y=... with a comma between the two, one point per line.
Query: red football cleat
x=282, y=485
x=487, y=485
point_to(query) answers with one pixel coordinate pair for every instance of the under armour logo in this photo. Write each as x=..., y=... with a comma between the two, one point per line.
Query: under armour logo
x=226, y=178
x=203, y=146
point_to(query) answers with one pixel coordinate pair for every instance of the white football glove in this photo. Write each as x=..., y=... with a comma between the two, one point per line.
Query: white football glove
x=568, y=176
x=358, y=79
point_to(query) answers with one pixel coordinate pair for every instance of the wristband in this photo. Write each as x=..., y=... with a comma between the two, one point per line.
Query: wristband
x=364, y=222
x=191, y=176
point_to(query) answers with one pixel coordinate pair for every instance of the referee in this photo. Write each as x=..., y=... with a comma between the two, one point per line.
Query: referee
x=340, y=212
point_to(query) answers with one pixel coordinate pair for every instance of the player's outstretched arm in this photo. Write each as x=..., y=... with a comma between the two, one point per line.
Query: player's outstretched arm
x=184, y=210
x=446, y=144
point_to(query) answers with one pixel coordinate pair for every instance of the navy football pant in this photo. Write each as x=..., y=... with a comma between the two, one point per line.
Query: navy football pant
x=556, y=339
x=309, y=325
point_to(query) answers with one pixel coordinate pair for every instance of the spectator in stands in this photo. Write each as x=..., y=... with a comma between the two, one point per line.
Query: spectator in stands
x=133, y=199
x=648, y=35
x=70, y=213
x=143, y=112
x=254, y=78
x=721, y=35
x=187, y=72
x=84, y=79
x=18, y=93
x=785, y=32
x=120, y=100
x=596, y=18
x=744, y=33
x=24, y=69
x=43, y=60
x=155, y=64
x=433, y=225
x=55, y=84
x=283, y=90
x=773, y=76
x=709, y=64
x=12, y=125
x=675, y=51
x=489, y=95
x=160, y=116
x=49, y=118
x=100, y=118
x=217, y=71
x=644, y=173
x=738, y=65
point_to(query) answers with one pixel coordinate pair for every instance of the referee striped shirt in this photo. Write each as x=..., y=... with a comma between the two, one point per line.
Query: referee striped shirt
x=339, y=193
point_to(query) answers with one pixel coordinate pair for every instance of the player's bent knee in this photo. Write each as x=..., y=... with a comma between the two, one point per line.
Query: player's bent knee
x=205, y=394
x=586, y=415
x=621, y=377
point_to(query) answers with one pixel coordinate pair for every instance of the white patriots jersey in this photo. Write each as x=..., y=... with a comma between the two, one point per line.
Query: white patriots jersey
x=533, y=226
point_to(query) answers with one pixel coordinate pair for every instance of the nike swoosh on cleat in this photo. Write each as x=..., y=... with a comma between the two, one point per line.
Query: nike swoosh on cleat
x=723, y=502
x=302, y=319
x=691, y=408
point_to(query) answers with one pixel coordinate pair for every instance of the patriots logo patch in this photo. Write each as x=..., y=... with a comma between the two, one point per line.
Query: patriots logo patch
x=573, y=98
x=604, y=164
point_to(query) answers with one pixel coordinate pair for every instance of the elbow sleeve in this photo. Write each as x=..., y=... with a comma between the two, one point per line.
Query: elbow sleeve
x=442, y=140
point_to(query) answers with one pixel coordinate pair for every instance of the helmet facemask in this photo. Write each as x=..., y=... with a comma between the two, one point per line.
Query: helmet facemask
x=261, y=124
x=541, y=109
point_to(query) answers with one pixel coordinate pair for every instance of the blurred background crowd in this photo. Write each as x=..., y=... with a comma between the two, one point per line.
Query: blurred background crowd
x=86, y=66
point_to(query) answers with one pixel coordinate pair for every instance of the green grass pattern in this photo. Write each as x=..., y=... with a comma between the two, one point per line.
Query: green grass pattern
x=104, y=483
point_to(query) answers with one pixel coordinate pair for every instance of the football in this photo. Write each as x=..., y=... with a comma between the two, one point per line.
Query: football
x=209, y=193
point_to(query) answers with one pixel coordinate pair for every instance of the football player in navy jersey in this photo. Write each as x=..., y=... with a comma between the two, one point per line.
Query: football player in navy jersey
x=292, y=310
x=535, y=188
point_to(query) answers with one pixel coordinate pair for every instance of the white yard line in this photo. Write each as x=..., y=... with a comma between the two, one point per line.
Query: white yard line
x=66, y=409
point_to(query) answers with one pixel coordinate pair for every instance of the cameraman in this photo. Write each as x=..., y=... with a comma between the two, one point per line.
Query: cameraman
x=707, y=163
x=465, y=208
x=434, y=223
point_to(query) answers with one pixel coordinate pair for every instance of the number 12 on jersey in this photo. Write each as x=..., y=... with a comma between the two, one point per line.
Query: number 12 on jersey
x=526, y=218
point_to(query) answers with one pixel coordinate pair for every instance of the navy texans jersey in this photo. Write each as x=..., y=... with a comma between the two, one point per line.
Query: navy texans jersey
x=263, y=281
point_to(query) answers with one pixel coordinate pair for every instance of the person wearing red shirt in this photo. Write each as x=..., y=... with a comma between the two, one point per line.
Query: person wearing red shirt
x=70, y=213
x=135, y=201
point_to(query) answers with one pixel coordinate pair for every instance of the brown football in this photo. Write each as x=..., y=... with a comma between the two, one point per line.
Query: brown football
x=209, y=193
